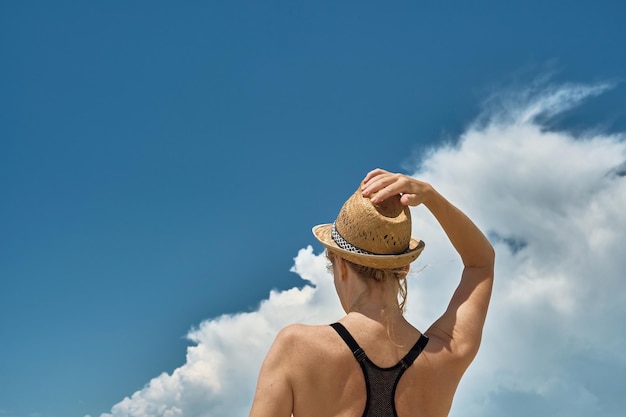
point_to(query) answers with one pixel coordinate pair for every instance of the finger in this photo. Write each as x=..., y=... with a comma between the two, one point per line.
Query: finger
x=385, y=189
x=377, y=183
x=410, y=200
x=394, y=184
x=374, y=173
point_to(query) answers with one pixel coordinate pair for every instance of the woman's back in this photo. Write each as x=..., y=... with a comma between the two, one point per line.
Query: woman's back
x=328, y=380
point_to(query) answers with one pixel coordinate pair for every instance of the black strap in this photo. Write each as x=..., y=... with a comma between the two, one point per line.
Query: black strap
x=417, y=348
x=359, y=354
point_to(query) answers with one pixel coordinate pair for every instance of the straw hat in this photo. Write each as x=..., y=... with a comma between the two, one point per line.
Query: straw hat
x=374, y=235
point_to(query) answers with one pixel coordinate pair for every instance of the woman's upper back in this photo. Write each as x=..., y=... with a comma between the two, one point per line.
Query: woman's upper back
x=327, y=379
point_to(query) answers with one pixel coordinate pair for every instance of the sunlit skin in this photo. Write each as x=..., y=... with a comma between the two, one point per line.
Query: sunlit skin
x=310, y=372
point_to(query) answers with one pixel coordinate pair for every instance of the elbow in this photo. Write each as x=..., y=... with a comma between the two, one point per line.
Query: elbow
x=491, y=256
x=486, y=259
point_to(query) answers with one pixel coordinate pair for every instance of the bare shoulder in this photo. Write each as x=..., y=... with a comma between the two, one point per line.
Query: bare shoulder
x=444, y=352
x=307, y=345
x=295, y=335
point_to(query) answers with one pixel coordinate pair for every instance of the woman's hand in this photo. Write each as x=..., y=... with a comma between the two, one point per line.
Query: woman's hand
x=386, y=184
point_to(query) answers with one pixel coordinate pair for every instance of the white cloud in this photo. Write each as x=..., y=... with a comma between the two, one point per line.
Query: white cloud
x=554, y=342
x=553, y=204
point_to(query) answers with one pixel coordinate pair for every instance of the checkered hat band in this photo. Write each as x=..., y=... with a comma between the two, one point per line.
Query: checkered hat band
x=344, y=244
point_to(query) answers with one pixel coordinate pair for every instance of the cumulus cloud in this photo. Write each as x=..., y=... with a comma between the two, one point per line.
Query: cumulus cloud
x=552, y=204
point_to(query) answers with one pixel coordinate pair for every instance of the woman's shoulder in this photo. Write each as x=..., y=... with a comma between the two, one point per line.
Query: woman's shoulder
x=314, y=340
x=304, y=333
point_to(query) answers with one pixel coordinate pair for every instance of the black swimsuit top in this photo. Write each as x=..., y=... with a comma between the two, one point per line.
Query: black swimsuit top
x=381, y=383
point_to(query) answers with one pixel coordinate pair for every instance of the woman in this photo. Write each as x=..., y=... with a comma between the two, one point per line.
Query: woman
x=373, y=362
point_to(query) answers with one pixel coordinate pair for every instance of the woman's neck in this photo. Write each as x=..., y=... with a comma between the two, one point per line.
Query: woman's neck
x=378, y=302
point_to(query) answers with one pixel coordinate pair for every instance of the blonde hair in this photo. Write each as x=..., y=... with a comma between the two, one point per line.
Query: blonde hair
x=398, y=275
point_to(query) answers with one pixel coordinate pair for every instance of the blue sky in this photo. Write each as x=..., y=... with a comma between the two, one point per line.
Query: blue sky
x=161, y=165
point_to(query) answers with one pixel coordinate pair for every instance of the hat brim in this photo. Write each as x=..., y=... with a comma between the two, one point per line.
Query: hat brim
x=323, y=233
